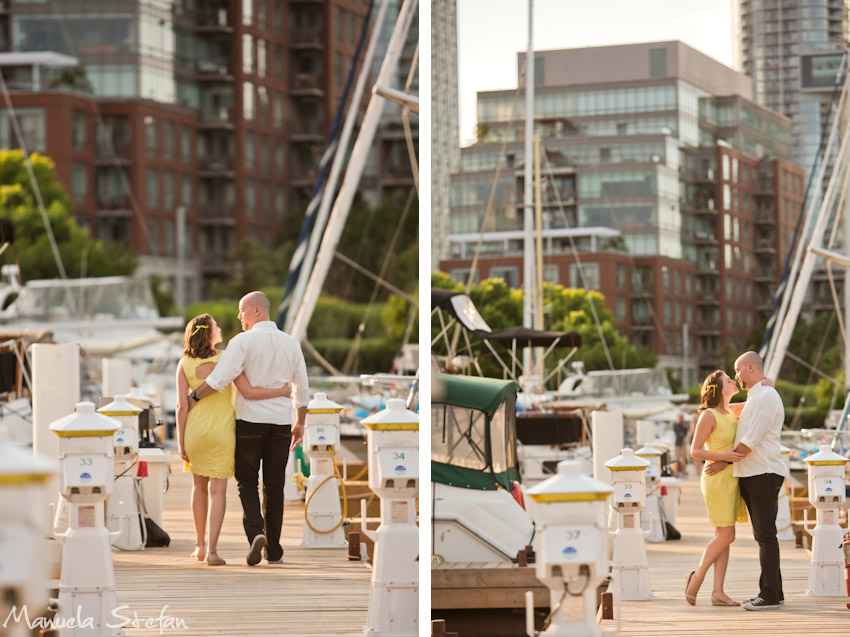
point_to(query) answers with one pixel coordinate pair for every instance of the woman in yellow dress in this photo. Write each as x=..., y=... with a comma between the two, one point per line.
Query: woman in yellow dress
x=206, y=435
x=714, y=438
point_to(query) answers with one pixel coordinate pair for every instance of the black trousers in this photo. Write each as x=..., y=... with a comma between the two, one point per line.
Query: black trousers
x=267, y=444
x=761, y=494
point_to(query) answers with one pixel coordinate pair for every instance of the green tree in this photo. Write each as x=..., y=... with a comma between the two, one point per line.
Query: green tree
x=567, y=310
x=32, y=247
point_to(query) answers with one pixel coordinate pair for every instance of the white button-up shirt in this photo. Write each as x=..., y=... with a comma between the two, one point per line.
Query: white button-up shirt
x=759, y=428
x=270, y=358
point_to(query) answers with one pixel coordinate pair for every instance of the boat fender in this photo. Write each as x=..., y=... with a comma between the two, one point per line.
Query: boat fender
x=517, y=493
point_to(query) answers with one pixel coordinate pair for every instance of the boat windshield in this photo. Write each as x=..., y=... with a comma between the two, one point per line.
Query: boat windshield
x=463, y=437
x=96, y=299
x=645, y=382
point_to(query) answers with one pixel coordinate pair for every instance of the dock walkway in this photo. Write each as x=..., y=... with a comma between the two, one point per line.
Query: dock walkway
x=670, y=562
x=314, y=592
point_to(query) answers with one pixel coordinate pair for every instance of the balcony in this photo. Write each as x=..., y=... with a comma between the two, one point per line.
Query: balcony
x=704, y=238
x=765, y=218
x=307, y=130
x=706, y=328
x=216, y=117
x=307, y=38
x=708, y=298
x=707, y=267
x=213, y=21
x=112, y=153
x=307, y=85
x=113, y=205
x=216, y=70
x=765, y=246
x=215, y=166
x=217, y=213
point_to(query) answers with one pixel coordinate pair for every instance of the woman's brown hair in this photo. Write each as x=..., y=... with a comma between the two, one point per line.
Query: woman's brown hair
x=198, y=338
x=711, y=394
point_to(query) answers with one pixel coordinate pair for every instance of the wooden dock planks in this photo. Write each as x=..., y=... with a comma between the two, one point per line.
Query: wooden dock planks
x=670, y=563
x=314, y=592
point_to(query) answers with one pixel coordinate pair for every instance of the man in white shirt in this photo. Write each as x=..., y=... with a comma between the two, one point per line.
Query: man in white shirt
x=761, y=472
x=264, y=430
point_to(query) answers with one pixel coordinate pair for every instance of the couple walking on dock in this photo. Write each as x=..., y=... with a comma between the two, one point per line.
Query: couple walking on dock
x=234, y=414
x=744, y=471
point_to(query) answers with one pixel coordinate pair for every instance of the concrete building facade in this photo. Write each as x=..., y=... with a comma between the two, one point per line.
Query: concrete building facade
x=661, y=176
x=218, y=110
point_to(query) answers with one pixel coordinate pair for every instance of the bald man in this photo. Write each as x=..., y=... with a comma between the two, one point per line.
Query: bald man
x=264, y=430
x=761, y=472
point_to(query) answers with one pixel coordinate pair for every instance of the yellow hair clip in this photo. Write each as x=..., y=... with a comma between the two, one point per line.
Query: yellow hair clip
x=199, y=327
x=712, y=387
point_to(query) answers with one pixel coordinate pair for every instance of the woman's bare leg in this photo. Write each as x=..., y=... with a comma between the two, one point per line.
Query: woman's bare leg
x=719, y=544
x=200, y=500
x=720, y=565
x=218, y=505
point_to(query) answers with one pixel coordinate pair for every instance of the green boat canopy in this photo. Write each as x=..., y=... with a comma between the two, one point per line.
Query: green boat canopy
x=484, y=394
x=473, y=432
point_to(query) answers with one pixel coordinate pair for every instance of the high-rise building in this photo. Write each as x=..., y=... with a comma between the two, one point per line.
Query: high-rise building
x=660, y=174
x=216, y=111
x=792, y=49
x=388, y=171
x=445, y=140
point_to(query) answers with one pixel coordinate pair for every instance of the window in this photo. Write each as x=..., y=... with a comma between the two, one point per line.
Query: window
x=539, y=77
x=248, y=101
x=621, y=308
x=153, y=188
x=247, y=53
x=248, y=12
x=550, y=273
x=79, y=182
x=150, y=136
x=78, y=131
x=249, y=150
x=168, y=190
x=186, y=196
x=185, y=145
x=279, y=203
x=262, y=60
x=620, y=274
x=249, y=197
x=509, y=273
x=279, y=160
x=590, y=280
x=658, y=63
x=168, y=141
x=277, y=110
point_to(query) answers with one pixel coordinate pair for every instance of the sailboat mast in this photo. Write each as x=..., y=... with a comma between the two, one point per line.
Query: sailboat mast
x=356, y=164
x=336, y=166
x=528, y=201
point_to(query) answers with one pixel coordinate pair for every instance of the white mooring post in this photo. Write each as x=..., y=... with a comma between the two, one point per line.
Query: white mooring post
x=393, y=440
x=826, y=493
x=122, y=509
x=652, y=516
x=87, y=583
x=572, y=546
x=629, y=565
x=322, y=512
x=23, y=520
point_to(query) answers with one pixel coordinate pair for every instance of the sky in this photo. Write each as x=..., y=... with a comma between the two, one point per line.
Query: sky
x=492, y=32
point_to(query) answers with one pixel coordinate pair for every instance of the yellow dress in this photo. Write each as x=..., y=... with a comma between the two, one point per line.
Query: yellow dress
x=722, y=495
x=210, y=435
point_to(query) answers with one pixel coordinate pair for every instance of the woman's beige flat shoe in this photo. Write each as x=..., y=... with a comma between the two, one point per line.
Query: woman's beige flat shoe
x=692, y=599
x=213, y=559
x=716, y=601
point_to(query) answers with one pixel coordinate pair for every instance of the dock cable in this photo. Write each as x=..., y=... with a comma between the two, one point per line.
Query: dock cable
x=335, y=474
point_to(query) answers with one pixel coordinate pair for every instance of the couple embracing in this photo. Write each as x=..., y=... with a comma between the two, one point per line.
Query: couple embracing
x=743, y=473
x=222, y=431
